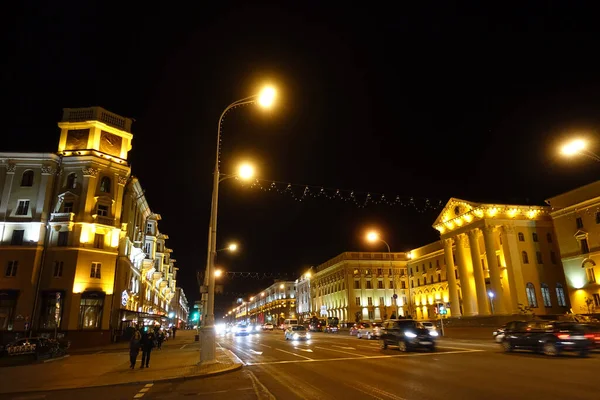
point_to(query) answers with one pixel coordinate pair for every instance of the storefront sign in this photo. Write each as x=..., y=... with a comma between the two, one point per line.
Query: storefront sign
x=124, y=298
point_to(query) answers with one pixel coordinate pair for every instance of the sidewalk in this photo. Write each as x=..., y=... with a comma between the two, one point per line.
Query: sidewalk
x=182, y=337
x=90, y=370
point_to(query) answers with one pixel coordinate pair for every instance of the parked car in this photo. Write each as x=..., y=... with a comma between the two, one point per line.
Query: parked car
x=333, y=325
x=407, y=335
x=268, y=327
x=354, y=329
x=296, y=332
x=368, y=330
x=317, y=325
x=548, y=337
x=38, y=347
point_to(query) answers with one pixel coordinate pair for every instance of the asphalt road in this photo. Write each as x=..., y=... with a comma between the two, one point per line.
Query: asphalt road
x=337, y=366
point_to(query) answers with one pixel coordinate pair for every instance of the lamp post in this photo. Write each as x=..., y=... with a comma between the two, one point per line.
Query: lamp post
x=491, y=296
x=208, y=335
x=373, y=237
x=578, y=147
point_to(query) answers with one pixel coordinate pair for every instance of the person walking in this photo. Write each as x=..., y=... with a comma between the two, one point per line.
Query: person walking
x=174, y=331
x=147, y=346
x=160, y=339
x=134, y=347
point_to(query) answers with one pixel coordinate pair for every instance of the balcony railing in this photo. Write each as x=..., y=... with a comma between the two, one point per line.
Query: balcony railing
x=96, y=114
x=105, y=220
x=62, y=217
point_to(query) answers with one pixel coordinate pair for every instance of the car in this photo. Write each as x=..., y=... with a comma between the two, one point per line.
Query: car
x=332, y=325
x=499, y=334
x=268, y=327
x=407, y=335
x=368, y=330
x=317, y=325
x=241, y=330
x=38, y=347
x=593, y=333
x=429, y=325
x=296, y=332
x=548, y=337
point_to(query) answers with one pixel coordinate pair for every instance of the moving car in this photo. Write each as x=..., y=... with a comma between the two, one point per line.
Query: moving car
x=429, y=325
x=548, y=337
x=296, y=332
x=241, y=330
x=407, y=335
x=333, y=325
x=317, y=325
x=368, y=330
x=268, y=327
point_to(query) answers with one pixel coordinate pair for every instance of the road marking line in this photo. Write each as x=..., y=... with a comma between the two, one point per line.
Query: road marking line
x=294, y=354
x=137, y=396
x=307, y=350
x=260, y=344
x=182, y=347
x=259, y=388
x=255, y=352
x=382, y=392
x=365, y=357
x=149, y=385
x=340, y=351
x=342, y=347
x=144, y=390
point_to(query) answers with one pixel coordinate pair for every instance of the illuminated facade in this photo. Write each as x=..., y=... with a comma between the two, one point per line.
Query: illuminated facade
x=361, y=285
x=272, y=305
x=180, y=308
x=576, y=216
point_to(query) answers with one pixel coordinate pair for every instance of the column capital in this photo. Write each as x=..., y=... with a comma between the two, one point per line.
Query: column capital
x=508, y=229
x=11, y=168
x=489, y=229
x=473, y=233
x=448, y=241
x=90, y=172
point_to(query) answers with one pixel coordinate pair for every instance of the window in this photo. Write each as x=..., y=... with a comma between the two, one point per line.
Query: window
x=596, y=299
x=534, y=236
x=95, y=270
x=371, y=315
x=370, y=301
x=369, y=286
x=549, y=237
x=379, y=271
x=58, y=269
x=538, y=256
x=598, y=217
x=424, y=280
x=8, y=304
x=71, y=181
x=11, y=268
x=356, y=284
x=51, y=310
x=68, y=207
x=579, y=223
x=102, y=210
x=27, y=178
x=437, y=264
x=584, y=246
x=546, y=295
x=589, y=273
x=379, y=284
x=90, y=310
x=17, y=237
x=63, y=238
x=525, y=257
x=98, y=241
x=439, y=277
x=390, y=271
x=105, y=184
x=531, y=299
x=553, y=257
x=403, y=285
x=357, y=301
x=381, y=301
x=22, y=207
x=149, y=228
x=521, y=237
x=560, y=295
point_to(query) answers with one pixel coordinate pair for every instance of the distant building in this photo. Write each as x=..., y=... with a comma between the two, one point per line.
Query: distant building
x=272, y=305
x=180, y=308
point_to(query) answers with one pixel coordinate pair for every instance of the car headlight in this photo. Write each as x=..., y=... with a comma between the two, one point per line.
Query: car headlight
x=295, y=336
x=433, y=333
x=235, y=329
x=308, y=335
x=410, y=334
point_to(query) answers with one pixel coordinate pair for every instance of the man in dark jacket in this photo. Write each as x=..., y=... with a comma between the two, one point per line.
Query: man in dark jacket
x=134, y=347
x=147, y=346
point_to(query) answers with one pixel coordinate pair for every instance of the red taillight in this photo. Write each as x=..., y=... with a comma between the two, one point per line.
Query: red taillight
x=563, y=336
x=589, y=336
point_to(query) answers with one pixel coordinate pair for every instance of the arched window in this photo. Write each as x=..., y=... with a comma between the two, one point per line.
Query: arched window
x=105, y=184
x=531, y=299
x=560, y=295
x=27, y=178
x=521, y=237
x=525, y=257
x=546, y=295
x=71, y=181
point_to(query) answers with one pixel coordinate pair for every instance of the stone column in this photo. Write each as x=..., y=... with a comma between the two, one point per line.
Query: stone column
x=513, y=268
x=87, y=203
x=465, y=272
x=482, y=297
x=451, y=277
x=10, y=176
x=495, y=279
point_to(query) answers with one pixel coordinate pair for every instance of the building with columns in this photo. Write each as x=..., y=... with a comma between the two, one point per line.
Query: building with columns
x=271, y=305
x=576, y=216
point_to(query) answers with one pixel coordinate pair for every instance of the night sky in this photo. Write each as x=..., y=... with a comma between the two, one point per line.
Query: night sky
x=427, y=103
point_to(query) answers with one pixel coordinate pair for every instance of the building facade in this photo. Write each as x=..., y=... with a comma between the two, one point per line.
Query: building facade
x=576, y=216
x=68, y=247
x=180, y=309
x=272, y=305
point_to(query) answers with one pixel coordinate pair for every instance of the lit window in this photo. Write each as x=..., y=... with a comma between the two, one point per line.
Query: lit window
x=546, y=295
x=531, y=298
x=560, y=294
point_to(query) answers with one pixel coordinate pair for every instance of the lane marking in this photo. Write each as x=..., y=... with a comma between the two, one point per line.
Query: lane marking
x=264, y=345
x=342, y=347
x=255, y=352
x=340, y=351
x=144, y=390
x=364, y=357
x=260, y=390
x=182, y=347
x=371, y=389
x=294, y=354
x=137, y=396
x=149, y=385
x=307, y=350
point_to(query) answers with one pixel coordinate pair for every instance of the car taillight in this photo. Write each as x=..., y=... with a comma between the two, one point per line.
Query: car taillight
x=563, y=335
x=589, y=336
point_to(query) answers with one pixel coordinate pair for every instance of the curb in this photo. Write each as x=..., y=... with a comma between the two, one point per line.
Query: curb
x=57, y=358
x=235, y=367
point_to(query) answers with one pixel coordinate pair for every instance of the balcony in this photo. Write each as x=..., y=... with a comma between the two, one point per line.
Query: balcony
x=104, y=220
x=62, y=217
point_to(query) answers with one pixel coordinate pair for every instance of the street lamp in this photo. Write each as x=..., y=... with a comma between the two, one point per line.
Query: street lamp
x=491, y=295
x=372, y=237
x=208, y=335
x=578, y=147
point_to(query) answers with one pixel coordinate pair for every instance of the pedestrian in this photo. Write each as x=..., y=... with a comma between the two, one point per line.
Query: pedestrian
x=134, y=347
x=160, y=339
x=147, y=346
x=174, y=331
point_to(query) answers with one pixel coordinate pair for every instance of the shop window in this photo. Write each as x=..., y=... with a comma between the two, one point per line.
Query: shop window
x=8, y=304
x=90, y=310
x=51, y=310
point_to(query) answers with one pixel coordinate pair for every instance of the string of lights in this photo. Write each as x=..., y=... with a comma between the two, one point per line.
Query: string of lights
x=302, y=192
x=252, y=275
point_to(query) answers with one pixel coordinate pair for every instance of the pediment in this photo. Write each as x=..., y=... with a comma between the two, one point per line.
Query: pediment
x=580, y=234
x=455, y=208
x=68, y=195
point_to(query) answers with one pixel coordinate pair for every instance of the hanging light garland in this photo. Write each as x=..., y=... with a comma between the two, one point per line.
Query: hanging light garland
x=300, y=192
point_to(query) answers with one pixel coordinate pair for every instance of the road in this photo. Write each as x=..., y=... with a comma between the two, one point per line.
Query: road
x=338, y=366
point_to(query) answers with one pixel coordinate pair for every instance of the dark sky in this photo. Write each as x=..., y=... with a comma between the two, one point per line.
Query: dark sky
x=431, y=103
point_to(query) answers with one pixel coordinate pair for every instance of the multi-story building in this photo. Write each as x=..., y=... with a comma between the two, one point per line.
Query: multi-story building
x=180, y=309
x=576, y=216
x=305, y=296
x=272, y=305
x=67, y=245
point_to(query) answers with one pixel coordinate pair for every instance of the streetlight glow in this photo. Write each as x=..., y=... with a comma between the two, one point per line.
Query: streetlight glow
x=372, y=236
x=218, y=273
x=266, y=98
x=246, y=172
x=281, y=286
x=491, y=294
x=232, y=247
x=573, y=147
